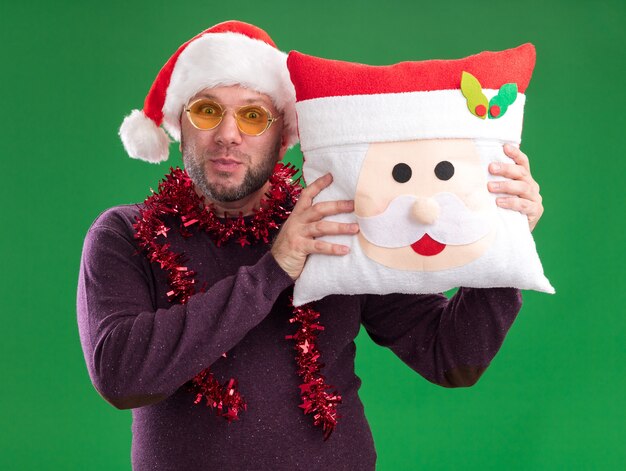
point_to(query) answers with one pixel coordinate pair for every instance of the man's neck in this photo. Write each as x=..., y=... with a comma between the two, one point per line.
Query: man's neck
x=246, y=206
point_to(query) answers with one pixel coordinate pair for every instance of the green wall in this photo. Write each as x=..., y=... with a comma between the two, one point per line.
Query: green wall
x=554, y=396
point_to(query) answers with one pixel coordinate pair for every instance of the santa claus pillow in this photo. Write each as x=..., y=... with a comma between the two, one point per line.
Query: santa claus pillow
x=411, y=144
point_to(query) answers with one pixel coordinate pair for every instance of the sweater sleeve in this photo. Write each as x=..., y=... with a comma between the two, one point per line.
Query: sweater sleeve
x=449, y=342
x=138, y=355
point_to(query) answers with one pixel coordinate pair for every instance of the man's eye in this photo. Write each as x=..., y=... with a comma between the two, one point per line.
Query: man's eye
x=444, y=170
x=208, y=110
x=252, y=114
x=401, y=173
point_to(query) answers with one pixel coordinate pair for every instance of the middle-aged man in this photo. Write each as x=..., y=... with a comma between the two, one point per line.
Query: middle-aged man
x=184, y=314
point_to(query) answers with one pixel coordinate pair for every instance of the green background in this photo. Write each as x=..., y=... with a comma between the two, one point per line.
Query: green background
x=553, y=397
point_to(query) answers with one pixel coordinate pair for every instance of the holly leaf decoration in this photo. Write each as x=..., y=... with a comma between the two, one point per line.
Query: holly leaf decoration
x=505, y=97
x=472, y=91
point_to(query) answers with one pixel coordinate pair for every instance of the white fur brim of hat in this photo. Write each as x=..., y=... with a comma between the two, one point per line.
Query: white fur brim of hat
x=213, y=60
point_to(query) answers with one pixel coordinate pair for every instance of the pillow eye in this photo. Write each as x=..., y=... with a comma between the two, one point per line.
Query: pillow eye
x=401, y=173
x=444, y=170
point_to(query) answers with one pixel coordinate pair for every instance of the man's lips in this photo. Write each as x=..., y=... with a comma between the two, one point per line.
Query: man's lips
x=225, y=164
x=427, y=246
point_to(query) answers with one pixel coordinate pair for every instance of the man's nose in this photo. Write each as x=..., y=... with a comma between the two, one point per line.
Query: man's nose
x=227, y=133
x=425, y=210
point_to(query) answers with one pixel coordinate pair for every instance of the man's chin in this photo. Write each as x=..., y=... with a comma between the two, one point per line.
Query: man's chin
x=224, y=194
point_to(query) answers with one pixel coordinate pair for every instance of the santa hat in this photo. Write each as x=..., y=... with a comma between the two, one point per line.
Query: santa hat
x=229, y=53
x=481, y=96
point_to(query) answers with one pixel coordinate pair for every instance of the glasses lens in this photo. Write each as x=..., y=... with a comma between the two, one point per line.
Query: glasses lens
x=205, y=114
x=253, y=119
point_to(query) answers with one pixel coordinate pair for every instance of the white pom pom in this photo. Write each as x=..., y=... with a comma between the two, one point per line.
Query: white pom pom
x=143, y=139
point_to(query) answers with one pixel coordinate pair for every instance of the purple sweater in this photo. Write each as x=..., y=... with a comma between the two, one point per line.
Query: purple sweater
x=141, y=350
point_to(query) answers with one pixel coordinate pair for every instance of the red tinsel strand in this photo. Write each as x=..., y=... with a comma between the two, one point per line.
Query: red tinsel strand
x=225, y=400
x=316, y=399
x=176, y=197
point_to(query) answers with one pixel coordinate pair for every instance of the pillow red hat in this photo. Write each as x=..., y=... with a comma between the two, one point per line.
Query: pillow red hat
x=343, y=102
x=229, y=53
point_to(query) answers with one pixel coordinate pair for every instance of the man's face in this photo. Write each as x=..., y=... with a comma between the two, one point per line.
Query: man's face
x=424, y=205
x=225, y=164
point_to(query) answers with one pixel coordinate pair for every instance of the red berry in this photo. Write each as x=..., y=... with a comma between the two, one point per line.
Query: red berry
x=480, y=110
x=494, y=111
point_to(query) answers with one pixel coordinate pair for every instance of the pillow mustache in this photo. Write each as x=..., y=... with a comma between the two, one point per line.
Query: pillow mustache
x=397, y=226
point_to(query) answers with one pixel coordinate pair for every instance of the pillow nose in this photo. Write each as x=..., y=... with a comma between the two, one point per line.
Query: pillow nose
x=425, y=210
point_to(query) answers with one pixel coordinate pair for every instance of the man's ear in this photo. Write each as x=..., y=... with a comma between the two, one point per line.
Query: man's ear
x=283, y=146
x=180, y=126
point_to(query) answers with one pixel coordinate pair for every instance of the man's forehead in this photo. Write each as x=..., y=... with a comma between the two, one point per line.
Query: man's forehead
x=235, y=95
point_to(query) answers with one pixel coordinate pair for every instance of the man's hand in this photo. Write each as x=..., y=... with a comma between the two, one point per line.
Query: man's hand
x=296, y=239
x=523, y=188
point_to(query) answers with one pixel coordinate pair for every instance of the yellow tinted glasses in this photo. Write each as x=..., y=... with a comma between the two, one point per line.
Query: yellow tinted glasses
x=252, y=120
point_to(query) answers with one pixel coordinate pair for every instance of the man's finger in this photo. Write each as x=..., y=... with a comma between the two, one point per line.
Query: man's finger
x=522, y=205
x=514, y=187
x=328, y=208
x=326, y=248
x=324, y=228
x=517, y=155
x=314, y=189
x=512, y=171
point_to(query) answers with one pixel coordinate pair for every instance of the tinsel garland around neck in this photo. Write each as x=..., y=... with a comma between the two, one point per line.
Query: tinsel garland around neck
x=177, y=197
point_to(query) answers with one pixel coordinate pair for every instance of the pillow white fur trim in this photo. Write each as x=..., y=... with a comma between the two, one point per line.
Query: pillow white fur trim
x=143, y=139
x=223, y=59
x=390, y=117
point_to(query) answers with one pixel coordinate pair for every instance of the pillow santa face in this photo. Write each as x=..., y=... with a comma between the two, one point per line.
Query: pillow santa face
x=411, y=144
x=423, y=205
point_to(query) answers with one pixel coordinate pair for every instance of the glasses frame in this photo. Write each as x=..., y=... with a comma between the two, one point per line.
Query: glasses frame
x=270, y=118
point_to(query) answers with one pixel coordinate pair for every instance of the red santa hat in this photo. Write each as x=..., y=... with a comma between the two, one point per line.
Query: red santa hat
x=481, y=96
x=229, y=53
